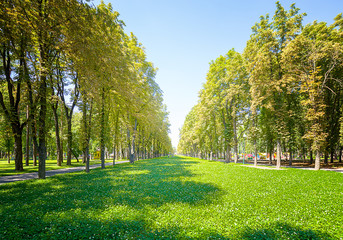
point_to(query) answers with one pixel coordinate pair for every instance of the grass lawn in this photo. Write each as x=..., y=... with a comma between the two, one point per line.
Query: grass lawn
x=175, y=198
x=51, y=164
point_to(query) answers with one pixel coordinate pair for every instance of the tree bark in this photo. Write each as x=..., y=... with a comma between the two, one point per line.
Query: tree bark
x=311, y=157
x=326, y=157
x=278, y=154
x=317, y=162
x=102, y=130
x=290, y=158
x=235, y=140
x=69, y=139
x=42, y=130
x=57, y=133
x=27, y=152
x=130, y=155
x=18, y=152
x=114, y=149
x=134, y=154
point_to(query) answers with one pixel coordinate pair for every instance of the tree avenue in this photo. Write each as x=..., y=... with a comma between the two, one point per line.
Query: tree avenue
x=73, y=82
x=281, y=97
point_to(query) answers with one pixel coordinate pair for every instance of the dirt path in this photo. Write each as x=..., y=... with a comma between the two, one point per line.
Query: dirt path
x=27, y=176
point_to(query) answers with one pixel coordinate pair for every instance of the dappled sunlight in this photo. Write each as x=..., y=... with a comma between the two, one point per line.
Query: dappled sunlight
x=171, y=198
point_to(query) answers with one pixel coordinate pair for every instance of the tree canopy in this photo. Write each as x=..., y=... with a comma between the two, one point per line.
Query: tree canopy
x=284, y=91
x=66, y=65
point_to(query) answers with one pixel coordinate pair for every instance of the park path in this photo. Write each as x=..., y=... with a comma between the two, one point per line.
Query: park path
x=27, y=176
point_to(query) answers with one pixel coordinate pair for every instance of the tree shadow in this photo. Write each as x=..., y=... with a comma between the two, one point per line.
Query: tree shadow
x=280, y=230
x=68, y=205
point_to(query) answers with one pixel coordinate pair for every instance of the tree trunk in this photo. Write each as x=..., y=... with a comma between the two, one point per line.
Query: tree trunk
x=58, y=139
x=86, y=152
x=27, y=152
x=255, y=153
x=278, y=154
x=235, y=147
x=311, y=157
x=86, y=119
x=317, y=162
x=34, y=153
x=18, y=152
x=9, y=157
x=326, y=156
x=102, y=130
x=331, y=155
x=134, y=141
x=69, y=139
x=62, y=127
x=290, y=158
x=227, y=154
x=114, y=149
x=42, y=130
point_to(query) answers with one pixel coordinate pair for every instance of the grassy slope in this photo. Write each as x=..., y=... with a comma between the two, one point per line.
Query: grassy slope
x=175, y=199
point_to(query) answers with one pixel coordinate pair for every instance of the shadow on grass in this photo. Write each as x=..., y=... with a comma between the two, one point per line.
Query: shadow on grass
x=282, y=231
x=120, y=202
x=80, y=205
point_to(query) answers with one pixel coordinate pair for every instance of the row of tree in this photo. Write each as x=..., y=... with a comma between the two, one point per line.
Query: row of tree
x=60, y=57
x=284, y=92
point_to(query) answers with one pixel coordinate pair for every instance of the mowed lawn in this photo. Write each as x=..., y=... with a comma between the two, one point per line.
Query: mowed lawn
x=175, y=198
x=7, y=169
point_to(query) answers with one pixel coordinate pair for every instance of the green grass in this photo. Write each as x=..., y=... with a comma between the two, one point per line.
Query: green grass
x=175, y=198
x=51, y=164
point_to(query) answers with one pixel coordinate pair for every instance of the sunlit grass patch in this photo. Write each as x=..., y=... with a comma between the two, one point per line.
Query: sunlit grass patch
x=51, y=164
x=175, y=198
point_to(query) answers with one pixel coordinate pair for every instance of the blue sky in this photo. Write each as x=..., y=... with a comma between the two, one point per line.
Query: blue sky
x=181, y=37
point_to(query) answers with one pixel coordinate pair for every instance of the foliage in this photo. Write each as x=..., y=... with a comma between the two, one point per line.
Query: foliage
x=283, y=92
x=60, y=55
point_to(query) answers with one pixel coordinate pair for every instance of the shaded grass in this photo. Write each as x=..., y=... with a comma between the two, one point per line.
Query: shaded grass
x=7, y=169
x=175, y=198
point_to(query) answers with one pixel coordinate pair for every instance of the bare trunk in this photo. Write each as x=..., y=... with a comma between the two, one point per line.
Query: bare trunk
x=317, y=162
x=69, y=140
x=102, y=130
x=255, y=153
x=134, y=155
x=58, y=139
x=86, y=120
x=42, y=130
x=114, y=149
x=34, y=153
x=278, y=154
x=228, y=154
x=326, y=158
x=86, y=152
x=18, y=153
x=27, y=152
x=235, y=147
x=311, y=157
x=9, y=157
x=331, y=155
x=130, y=155
x=290, y=158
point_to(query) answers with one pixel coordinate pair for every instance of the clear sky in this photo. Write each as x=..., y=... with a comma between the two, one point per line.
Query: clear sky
x=181, y=37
